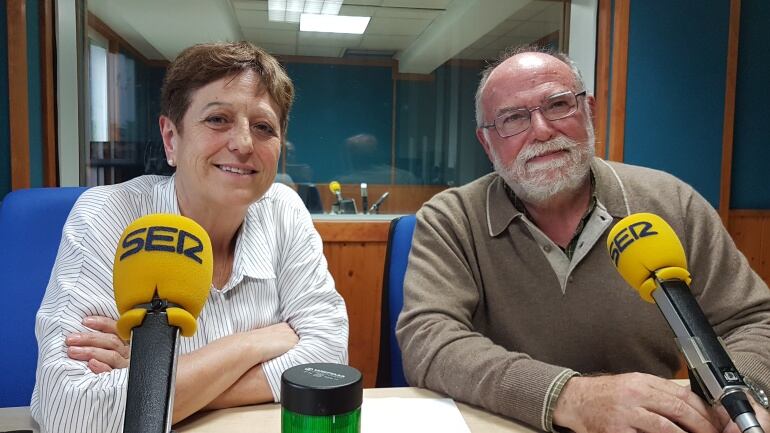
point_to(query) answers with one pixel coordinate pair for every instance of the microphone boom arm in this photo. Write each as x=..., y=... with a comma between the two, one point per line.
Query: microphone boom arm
x=376, y=206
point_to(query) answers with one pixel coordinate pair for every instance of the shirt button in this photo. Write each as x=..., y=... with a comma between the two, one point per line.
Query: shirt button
x=570, y=278
x=547, y=248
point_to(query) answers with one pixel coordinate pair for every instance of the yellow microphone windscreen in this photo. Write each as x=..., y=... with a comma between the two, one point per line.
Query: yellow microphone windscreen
x=168, y=253
x=643, y=245
x=334, y=187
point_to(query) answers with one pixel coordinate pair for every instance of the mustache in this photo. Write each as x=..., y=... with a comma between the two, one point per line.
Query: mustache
x=544, y=148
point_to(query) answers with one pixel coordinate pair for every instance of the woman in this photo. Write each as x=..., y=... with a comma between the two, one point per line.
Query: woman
x=224, y=115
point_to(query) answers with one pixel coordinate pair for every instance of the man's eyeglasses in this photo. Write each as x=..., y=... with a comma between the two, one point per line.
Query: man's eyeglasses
x=517, y=120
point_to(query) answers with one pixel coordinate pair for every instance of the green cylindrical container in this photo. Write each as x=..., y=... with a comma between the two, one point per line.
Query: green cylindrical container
x=321, y=398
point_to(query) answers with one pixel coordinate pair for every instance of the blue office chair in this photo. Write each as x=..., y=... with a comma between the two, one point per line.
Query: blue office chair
x=31, y=222
x=390, y=371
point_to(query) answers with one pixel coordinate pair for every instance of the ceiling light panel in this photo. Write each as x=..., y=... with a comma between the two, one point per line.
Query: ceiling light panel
x=333, y=24
x=290, y=10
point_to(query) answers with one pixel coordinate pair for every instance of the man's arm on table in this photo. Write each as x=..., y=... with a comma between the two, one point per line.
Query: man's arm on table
x=734, y=298
x=442, y=351
x=737, y=304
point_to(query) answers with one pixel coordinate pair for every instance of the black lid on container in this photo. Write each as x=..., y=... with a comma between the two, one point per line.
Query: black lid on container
x=321, y=389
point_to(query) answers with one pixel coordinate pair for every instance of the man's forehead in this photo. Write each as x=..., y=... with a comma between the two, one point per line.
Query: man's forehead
x=530, y=60
x=525, y=72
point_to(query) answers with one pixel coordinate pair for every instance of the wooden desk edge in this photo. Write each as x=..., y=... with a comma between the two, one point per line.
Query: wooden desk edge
x=268, y=416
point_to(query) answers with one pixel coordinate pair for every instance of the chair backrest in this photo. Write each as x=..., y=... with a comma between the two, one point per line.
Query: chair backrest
x=30, y=232
x=390, y=371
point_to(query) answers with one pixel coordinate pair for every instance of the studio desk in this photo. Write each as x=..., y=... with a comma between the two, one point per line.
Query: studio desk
x=355, y=248
x=266, y=418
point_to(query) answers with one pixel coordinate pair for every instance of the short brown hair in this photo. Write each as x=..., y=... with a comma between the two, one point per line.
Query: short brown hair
x=202, y=64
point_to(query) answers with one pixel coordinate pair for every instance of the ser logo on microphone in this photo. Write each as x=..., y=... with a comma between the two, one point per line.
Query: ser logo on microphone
x=154, y=239
x=629, y=235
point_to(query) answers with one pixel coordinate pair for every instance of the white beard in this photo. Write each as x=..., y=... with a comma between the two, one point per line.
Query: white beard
x=537, y=182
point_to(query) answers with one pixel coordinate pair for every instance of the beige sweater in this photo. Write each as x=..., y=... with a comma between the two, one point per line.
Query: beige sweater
x=485, y=320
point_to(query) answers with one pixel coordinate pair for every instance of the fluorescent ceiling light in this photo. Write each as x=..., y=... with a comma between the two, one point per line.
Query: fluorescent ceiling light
x=290, y=10
x=333, y=23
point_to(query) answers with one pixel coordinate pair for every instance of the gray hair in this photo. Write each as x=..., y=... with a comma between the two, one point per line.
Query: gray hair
x=521, y=49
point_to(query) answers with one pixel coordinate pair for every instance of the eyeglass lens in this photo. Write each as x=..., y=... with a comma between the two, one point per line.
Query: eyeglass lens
x=555, y=107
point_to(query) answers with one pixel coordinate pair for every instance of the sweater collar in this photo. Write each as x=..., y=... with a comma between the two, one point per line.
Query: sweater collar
x=609, y=192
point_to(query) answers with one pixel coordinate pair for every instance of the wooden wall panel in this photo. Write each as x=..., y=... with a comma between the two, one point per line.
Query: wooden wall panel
x=353, y=231
x=729, y=113
x=355, y=252
x=48, y=93
x=603, y=35
x=619, y=79
x=18, y=94
x=751, y=232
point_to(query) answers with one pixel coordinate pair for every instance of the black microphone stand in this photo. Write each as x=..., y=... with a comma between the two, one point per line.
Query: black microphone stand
x=713, y=375
x=150, y=395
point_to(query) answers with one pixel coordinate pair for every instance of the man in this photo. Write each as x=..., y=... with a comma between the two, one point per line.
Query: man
x=511, y=301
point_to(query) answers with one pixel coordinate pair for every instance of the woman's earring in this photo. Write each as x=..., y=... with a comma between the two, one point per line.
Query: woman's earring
x=171, y=162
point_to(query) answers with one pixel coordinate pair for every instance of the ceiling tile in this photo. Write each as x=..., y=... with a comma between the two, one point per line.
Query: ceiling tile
x=427, y=14
x=417, y=4
x=382, y=42
x=533, y=8
x=393, y=26
x=255, y=5
x=533, y=30
x=367, y=3
x=270, y=36
x=289, y=50
x=320, y=51
x=484, y=41
x=358, y=11
x=258, y=19
x=552, y=13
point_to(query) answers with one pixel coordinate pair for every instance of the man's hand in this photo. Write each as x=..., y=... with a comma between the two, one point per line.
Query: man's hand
x=763, y=416
x=103, y=350
x=632, y=402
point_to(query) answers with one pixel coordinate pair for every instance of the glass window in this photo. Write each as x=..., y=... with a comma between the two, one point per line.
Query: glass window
x=392, y=107
x=98, y=105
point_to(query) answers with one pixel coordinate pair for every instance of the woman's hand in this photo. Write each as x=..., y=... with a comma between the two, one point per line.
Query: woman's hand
x=102, y=349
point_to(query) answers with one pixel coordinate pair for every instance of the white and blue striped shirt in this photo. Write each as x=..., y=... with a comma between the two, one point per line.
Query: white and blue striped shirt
x=279, y=275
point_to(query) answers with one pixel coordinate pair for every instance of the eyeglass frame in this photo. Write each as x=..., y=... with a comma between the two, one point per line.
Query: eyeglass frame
x=531, y=110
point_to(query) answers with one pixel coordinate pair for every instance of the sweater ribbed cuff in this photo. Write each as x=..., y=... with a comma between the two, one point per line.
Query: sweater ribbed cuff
x=552, y=396
x=525, y=390
x=753, y=366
